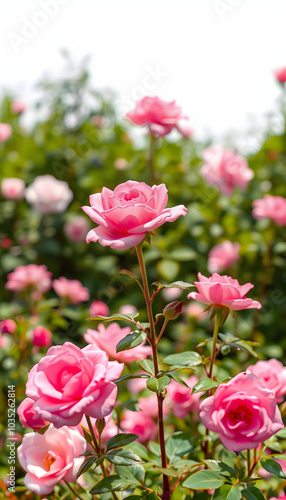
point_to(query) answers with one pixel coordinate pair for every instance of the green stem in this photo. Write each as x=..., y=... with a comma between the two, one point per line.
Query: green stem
x=162, y=330
x=215, y=334
x=74, y=492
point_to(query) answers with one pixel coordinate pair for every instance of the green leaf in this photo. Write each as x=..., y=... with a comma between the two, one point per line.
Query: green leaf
x=185, y=465
x=135, y=473
x=178, y=379
x=111, y=483
x=227, y=492
x=167, y=472
x=139, y=450
x=131, y=340
x=116, y=317
x=146, y=365
x=86, y=465
x=128, y=273
x=282, y=433
x=273, y=467
x=154, y=448
x=178, y=445
x=120, y=440
x=188, y=358
x=221, y=467
x=123, y=457
x=246, y=347
x=129, y=376
x=252, y=493
x=158, y=384
x=204, y=480
x=204, y=384
x=177, y=284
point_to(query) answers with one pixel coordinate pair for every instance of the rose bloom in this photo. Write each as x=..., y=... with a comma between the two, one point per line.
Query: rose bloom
x=71, y=289
x=8, y=326
x=108, y=338
x=139, y=423
x=136, y=385
x=126, y=214
x=13, y=188
x=181, y=398
x=41, y=336
x=196, y=311
x=28, y=416
x=223, y=256
x=223, y=291
x=149, y=406
x=127, y=309
x=172, y=293
x=280, y=74
x=76, y=229
x=18, y=107
x=69, y=382
x=273, y=375
x=243, y=412
x=273, y=207
x=160, y=116
x=98, y=308
x=50, y=458
x=32, y=275
x=5, y=131
x=224, y=169
x=48, y=195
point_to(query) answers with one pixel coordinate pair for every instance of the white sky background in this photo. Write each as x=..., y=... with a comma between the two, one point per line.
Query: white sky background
x=218, y=68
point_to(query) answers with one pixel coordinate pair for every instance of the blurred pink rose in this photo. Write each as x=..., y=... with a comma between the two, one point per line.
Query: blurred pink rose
x=41, y=336
x=48, y=195
x=139, y=423
x=160, y=116
x=18, y=107
x=69, y=382
x=13, y=188
x=197, y=311
x=120, y=163
x=126, y=214
x=8, y=326
x=3, y=340
x=108, y=338
x=181, y=399
x=71, y=289
x=76, y=229
x=172, y=293
x=127, y=309
x=223, y=256
x=149, y=406
x=273, y=207
x=224, y=169
x=223, y=291
x=136, y=385
x=98, y=308
x=28, y=416
x=243, y=412
x=5, y=131
x=50, y=458
x=273, y=375
x=280, y=74
x=32, y=275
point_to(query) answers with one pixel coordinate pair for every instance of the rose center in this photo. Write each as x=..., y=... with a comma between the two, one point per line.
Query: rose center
x=241, y=414
x=133, y=193
x=49, y=459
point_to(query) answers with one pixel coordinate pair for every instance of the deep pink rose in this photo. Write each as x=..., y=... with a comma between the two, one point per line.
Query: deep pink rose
x=127, y=213
x=71, y=289
x=5, y=131
x=69, y=382
x=77, y=228
x=139, y=423
x=181, y=399
x=48, y=195
x=13, y=188
x=18, y=107
x=223, y=291
x=108, y=338
x=32, y=275
x=273, y=375
x=50, y=458
x=273, y=207
x=41, y=336
x=8, y=326
x=223, y=256
x=28, y=416
x=149, y=406
x=160, y=116
x=243, y=412
x=280, y=74
x=224, y=169
x=98, y=308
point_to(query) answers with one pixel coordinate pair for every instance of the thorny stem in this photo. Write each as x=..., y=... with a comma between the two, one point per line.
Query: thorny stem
x=152, y=339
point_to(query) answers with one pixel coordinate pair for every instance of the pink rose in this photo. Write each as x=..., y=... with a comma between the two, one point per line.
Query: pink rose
x=48, y=195
x=223, y=291
x=181, y=399
x=50, y=458
x=71, y=289
x=98, y=308
x=243, y=412
x=5, y=131
x=108, y=338
x=223, y=256
x=8, y=326
x=149, y=406
x=127, y=309
x=273, y=375
x=196, y=311
x=273, y=207
x=224, y=169
x=172, y=293
x=280, y=74
x=18, y=107
x=76, y=229
x=28, y=416
x=136, y=385
x=126, y=214
x=41, y=336
x=139, y=423
x=13, y=188
x=69, y=382
x=32, y=275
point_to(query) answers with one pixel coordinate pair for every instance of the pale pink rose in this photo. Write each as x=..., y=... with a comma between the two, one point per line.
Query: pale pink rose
x=41, y=336
x=225, y=169
x=76, y=229
x=139, y=423
x=280, y=74
x=172, y=293
x=3, y=340
x=108, y=338
x=5, y=131
x=13, y=188
x=136, y=385
x=69, y=382
x=120, y=163
x=181, y=399
x=32, y=275
x=98, y=308
x=149, y=406
x=126, y=214
x=273, y=374
x=273, y=207
x=8, y=326
x=71, y=289
x=18, y=107
x=110, y=430
x=160, y=116
x=196, y=311
x=223, y=291
x=48, y=195
x=223, y=256
x=28, y=416
x=243, y=412
x=50, y=458
x=127, y=309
